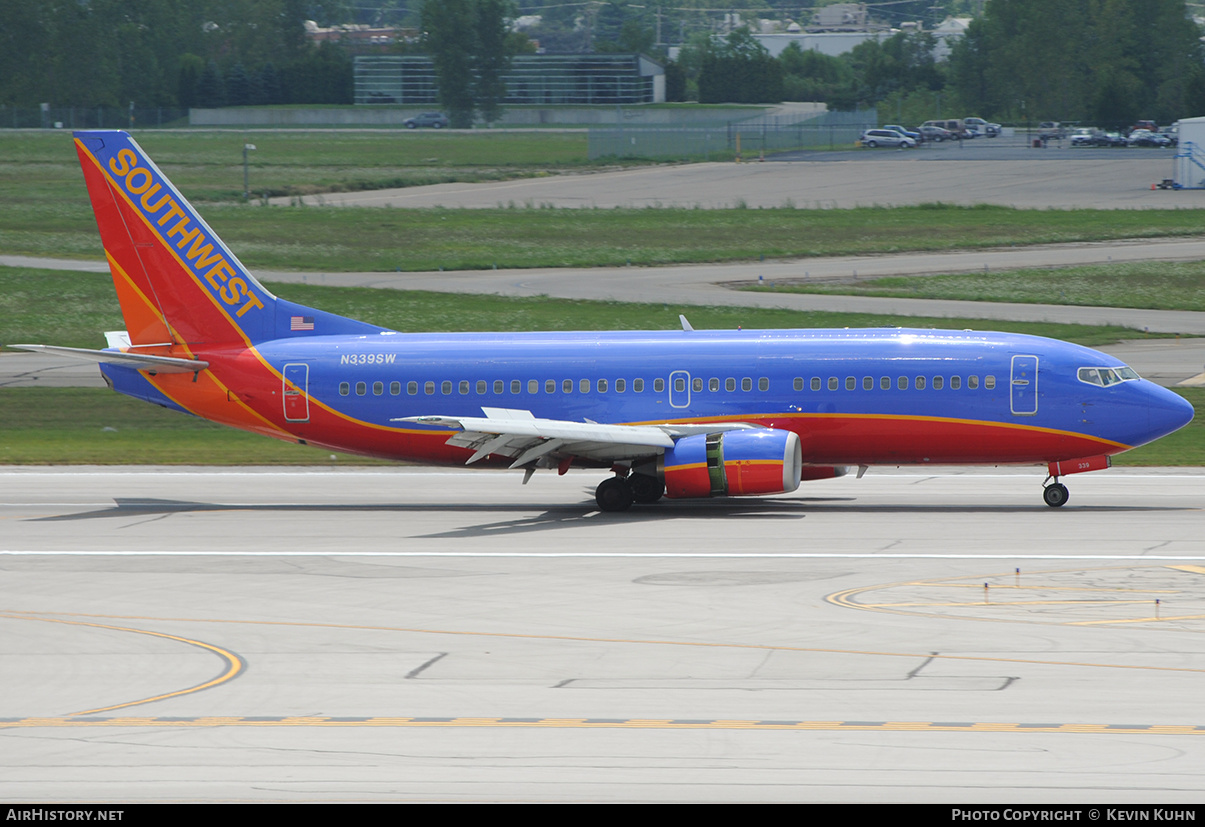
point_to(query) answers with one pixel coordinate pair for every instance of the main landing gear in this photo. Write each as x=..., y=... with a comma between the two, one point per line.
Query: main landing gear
x=618, y=493
x=1055, y=493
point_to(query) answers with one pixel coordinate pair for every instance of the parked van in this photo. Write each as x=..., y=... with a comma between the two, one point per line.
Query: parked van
x=954, y=125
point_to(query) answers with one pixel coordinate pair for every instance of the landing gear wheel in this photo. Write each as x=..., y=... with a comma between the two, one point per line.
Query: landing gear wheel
x=646, y=489
x=613, y=494
x=1056, y=495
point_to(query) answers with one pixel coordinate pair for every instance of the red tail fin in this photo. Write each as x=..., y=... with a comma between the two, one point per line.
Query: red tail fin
x=176, y=281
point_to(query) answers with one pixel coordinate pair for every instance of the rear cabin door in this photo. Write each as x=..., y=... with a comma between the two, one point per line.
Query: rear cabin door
x=295, y=389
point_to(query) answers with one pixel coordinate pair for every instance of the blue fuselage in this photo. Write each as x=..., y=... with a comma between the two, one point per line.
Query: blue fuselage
x=853, y=396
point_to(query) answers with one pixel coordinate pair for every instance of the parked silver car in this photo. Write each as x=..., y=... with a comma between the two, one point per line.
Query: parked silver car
x=435, y=120
x=886, y=137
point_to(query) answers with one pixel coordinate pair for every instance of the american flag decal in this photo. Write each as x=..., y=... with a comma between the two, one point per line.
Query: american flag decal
x=301, y=323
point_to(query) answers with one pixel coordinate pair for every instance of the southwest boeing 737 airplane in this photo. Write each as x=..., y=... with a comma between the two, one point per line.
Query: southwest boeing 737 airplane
x=681, y=413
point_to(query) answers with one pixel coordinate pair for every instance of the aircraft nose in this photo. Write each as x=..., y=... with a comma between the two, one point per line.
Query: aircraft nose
x=1167, y=412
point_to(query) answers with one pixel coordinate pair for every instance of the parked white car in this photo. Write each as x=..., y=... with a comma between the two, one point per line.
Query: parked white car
x=886, y=137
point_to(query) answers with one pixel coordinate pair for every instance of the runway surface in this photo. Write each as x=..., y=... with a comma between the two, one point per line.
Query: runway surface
x=418, y=635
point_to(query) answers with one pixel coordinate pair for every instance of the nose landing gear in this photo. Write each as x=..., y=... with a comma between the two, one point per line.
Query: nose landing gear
x=1055, y=494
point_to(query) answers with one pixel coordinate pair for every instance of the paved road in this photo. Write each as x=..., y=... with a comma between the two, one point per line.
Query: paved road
x=1001, y=172
x=404, y=635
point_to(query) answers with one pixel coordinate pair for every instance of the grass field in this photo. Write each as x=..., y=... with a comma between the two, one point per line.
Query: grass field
x=350, y=239
x=74, y=309
x=1185, y=447
x=208, y=166
x=1154, y=285
x=44, y=208
x=94, y=426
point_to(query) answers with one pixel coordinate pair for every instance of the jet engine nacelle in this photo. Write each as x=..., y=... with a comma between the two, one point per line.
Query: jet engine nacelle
x=733, y=463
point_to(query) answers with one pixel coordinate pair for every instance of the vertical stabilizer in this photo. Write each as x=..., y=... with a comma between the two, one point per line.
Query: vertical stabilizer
x=176, y=281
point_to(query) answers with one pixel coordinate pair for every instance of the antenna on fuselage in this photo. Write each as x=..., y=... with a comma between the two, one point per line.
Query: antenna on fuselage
x=685, y=324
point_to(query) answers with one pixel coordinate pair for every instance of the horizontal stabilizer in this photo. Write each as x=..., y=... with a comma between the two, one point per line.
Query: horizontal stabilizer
x=158, y=364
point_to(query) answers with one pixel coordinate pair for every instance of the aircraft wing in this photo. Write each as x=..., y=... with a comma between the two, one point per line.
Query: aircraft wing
x=536, y=442
x=138, y=361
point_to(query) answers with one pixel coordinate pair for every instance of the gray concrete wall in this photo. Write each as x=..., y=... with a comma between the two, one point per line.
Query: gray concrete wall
x=512, y=116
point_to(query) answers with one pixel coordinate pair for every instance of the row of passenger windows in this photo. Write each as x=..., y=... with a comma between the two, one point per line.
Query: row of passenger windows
x=482, y=387
x=901, y=383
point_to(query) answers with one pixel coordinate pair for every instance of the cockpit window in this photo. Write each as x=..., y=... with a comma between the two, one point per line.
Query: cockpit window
x=1107, y=376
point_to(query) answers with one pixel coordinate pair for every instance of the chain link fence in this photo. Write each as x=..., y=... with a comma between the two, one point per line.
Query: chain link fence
x=90, y=117
x=721, y=141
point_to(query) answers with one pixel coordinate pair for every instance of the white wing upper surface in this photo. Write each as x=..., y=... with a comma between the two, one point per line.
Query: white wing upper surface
x=535, y=442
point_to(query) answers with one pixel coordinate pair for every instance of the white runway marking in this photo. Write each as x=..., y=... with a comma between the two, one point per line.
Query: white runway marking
x=651, y=555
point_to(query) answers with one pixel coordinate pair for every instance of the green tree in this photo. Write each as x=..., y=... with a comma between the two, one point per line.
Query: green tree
x=322, y=75
x=448, y=33
x=268, y=84
x=699, y=46
x=211, y=87
x=491, y=58
x=675, y=82
x=187, y=77
x=812, y=76
x=970, y=72
x=1101, y=61
x=626, y=34
x=238, y=86
x=470, y=45
x=740, y=70
x=153, y=52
